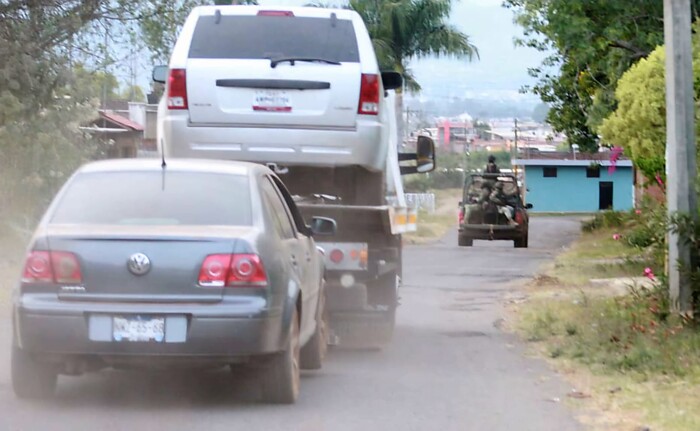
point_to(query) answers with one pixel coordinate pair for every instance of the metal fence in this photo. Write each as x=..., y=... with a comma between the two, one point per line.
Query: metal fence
x=424, y=201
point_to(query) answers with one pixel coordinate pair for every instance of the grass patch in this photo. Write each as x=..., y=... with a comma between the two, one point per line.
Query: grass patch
x=597, y=255
x=621, y=342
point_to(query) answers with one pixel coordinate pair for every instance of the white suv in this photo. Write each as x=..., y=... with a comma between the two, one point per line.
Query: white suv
x=299, y=86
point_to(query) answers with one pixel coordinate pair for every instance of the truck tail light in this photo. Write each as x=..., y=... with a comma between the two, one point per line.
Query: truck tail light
x=219, y=270
x=460, y=216
x=52, y=267
x=519, y=217
x=177, y=89
x=337, y=256
x=369, y=95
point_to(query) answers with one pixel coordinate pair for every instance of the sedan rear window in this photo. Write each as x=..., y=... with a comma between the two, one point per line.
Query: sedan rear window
x=156, y=198
x=261, y=37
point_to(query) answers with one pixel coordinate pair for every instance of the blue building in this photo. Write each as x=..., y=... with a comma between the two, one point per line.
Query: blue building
x=558, y=182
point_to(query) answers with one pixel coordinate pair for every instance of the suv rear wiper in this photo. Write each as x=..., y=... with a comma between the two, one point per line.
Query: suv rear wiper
x=274, y=62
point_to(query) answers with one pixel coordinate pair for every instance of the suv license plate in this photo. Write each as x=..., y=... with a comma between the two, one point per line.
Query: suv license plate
x=138, y=328
x=272, y=101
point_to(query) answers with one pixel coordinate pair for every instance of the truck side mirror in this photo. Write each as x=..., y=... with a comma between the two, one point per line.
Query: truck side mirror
x=392, y=80
x=424, y=157
x=160, y=74
x=528, y=206
x=323, y=226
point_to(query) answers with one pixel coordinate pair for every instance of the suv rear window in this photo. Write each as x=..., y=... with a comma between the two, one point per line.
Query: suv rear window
x=156, y=198
x=261, y=37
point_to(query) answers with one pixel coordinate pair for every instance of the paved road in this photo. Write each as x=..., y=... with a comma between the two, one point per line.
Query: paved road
x=449, y=367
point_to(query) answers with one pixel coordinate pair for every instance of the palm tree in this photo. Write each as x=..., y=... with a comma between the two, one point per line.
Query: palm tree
x=403, y=30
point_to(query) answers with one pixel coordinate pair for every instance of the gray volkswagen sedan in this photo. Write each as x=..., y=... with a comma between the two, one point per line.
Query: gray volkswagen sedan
x=196, y=263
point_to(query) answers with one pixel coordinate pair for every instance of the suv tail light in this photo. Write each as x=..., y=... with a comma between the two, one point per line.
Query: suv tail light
x=177, y=89
x=52, y=267
x=230, y=270
x=369, y=95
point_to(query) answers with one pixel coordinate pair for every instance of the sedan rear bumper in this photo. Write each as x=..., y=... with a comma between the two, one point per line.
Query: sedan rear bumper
x=209, y=331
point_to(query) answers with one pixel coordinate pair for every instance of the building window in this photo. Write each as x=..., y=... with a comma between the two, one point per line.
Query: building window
x=550, y=172
x=593, y=171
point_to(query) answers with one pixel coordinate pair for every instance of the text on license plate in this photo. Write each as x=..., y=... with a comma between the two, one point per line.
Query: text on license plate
x=138, y=328
x=272, y=101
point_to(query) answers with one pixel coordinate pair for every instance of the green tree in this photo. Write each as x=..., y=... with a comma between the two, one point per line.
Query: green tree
x=593, y=42
x=404, y=30
x=639, y=123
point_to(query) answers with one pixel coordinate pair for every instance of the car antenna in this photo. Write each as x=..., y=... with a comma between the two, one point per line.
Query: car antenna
x=162, y=155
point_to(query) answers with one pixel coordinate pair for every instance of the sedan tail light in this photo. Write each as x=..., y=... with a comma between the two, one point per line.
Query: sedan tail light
x=232, y=270
x=52, y=267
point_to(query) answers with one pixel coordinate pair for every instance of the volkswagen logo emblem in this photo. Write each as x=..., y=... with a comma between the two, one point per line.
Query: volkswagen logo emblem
x=139, y=264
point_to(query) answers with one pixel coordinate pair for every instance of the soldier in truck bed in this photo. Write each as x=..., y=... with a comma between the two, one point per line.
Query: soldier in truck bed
x=491, y=167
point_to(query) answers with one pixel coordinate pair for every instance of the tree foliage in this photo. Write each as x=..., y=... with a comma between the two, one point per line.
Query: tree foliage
x=639, y=122
x=404, y=30
x=592, y=43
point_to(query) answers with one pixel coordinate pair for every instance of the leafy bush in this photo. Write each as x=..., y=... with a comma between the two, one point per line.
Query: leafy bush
x=605, y=219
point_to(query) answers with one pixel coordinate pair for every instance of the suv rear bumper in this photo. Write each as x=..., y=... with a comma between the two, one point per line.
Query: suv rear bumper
x=364, y=145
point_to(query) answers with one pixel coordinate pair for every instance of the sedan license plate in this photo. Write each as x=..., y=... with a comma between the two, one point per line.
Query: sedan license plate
x=272, y=101
x=138, y=328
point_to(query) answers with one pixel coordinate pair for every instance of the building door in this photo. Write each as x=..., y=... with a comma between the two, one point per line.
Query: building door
x=605, y=195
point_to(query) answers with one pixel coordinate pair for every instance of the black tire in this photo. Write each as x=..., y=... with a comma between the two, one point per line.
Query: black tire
x=464, y=241
x=282, y=378
x=30, y=378
x=314, y=352
x=521, y=242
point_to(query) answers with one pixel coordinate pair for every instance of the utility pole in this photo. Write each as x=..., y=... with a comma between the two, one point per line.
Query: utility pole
x=681, y=167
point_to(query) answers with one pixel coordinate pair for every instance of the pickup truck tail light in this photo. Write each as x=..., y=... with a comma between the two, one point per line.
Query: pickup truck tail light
x=369, y=95
x=177, y=89
x=460, y=216
x=52, y=267
x=232, y=270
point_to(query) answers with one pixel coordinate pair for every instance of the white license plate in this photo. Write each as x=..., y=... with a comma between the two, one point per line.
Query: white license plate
x=272, y=101
x=138, y=328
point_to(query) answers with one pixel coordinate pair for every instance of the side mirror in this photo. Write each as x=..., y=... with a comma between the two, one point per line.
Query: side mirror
x=392, y=80
x=424, y=157
x=160, y=74
x=528, y=206
x=323, y=226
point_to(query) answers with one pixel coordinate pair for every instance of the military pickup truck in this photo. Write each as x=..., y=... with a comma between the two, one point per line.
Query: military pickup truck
x=492, y=208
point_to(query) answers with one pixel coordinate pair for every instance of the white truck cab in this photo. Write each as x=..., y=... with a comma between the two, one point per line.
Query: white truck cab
x=294, y=86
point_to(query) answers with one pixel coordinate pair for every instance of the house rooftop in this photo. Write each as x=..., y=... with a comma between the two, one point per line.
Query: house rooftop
x=565, y=158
